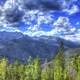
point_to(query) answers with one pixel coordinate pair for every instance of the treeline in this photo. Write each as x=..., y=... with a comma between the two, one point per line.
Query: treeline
x=60, y=68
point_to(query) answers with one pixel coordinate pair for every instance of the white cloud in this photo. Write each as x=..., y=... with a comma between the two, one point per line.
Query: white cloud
x=62, y=24
x=38, y=18
x=31, y=33
x=74, y=37
x=74, y=9
x=9, y=29
x=34, y=28
x=40, y=33
x=78, y=23
x=60, y=27
x=73, y=29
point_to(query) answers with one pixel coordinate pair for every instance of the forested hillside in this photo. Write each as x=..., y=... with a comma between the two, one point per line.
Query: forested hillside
x=60, y=68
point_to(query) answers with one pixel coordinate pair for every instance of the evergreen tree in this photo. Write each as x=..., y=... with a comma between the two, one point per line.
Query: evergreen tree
x=59, y=64
x=46, y=72
x=13, y=72
x=76, y=66
x=28, y=69
x=3, y=68
x=36, y=72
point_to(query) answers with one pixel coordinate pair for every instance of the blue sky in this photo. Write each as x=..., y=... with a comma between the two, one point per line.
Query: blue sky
x=41, y=18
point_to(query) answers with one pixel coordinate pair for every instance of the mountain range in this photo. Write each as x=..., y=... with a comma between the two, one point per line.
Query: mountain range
x=15, y=45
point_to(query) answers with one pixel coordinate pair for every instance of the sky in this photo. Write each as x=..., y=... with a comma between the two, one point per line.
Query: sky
x=41, y=17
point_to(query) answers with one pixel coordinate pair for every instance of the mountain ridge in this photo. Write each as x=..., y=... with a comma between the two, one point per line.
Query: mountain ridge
x=22, y=46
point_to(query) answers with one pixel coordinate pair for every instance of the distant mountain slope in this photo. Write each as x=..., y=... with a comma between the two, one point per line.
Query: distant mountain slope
x=10, y=35
x=16, y=45
x=72, y=52
x=24, y=47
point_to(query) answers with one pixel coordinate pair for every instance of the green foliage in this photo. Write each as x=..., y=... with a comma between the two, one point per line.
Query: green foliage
x=3, y=68
x=59, y=64
x=60, y=68
x=46, y=72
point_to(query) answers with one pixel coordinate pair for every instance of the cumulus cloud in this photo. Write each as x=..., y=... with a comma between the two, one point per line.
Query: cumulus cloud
x=14, y=6
x=14, y=11
x=74, y=9
x=35, y=18
x=63, y=25
x=33, y=14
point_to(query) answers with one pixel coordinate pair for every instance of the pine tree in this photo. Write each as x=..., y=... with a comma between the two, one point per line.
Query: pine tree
x=76, y=66
x=3, y=68
x=21, y=70
x=46, y=72
x=13, y=72
x=28, y=69
x=59, y=65
x=36, y=72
